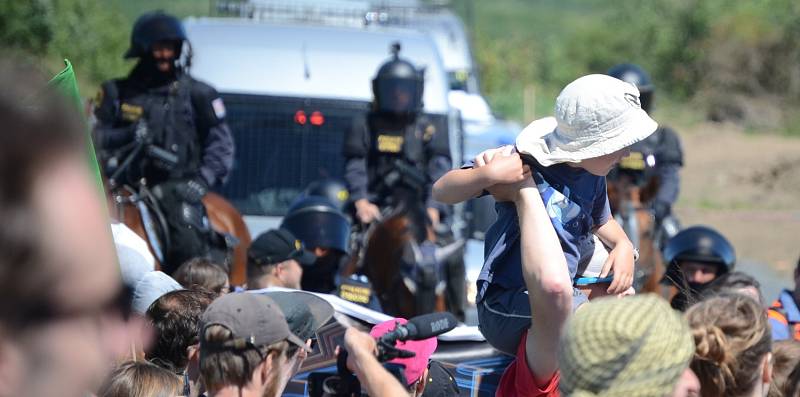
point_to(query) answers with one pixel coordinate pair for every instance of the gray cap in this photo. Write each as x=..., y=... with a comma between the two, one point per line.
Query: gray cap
x=305, y=312
x=254, y=319
x=151, y=286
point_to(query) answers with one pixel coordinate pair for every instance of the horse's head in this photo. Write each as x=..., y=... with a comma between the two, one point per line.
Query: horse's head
x=405, y=273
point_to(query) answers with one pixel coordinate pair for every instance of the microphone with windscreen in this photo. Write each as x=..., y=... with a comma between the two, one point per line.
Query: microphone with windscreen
x=417, y=328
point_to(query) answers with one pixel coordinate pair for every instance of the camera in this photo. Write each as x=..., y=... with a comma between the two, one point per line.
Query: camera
x=344, y=383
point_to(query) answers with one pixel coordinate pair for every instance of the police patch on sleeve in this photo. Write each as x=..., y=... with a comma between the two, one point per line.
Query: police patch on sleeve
x=219, y=108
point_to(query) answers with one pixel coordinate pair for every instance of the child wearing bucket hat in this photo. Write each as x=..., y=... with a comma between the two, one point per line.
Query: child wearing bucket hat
x=597, y=117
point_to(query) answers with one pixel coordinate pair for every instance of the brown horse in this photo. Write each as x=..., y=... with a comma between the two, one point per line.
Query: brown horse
x=405, y=280
x=629, y=203
x=224, y=218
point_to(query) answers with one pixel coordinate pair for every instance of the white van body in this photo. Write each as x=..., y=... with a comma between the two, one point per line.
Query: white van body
x=267, y=71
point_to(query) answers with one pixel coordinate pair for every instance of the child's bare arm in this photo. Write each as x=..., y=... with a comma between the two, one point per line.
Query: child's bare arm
x=460, y=185
x=491, y=167
x=620, y=259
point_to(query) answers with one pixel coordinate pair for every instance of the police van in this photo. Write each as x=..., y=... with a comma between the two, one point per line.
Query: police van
x=291, y=92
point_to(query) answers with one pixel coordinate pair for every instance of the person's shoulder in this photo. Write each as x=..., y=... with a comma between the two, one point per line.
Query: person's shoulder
x=206, y=101
x=666, y=130
x=110, y=89
x=201, y=89
x=667, y=135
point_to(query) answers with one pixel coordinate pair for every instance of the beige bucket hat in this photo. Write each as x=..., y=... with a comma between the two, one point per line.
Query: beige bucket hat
x=595, y=115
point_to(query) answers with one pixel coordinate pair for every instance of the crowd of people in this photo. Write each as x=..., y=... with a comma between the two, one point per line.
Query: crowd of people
x=85, y=312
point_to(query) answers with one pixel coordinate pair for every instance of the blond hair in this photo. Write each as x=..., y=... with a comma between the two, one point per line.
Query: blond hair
x=140, y=379
x=732, y=336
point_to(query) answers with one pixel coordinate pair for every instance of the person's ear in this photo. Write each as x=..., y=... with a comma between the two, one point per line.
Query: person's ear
x=279, y=269
x=423, y=381
x=265, y=368
x=766, y=373
x=193, y=352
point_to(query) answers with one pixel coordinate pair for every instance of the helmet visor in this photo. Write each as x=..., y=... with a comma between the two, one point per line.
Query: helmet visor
x=398, y=96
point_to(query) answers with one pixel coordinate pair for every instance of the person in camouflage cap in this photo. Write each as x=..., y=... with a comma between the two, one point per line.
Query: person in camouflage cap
x=636, y=346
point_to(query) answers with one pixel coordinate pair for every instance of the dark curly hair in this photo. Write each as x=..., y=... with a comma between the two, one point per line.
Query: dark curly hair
x=176, y=320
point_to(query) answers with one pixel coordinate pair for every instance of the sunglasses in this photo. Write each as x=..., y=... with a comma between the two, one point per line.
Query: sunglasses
x=46, y=311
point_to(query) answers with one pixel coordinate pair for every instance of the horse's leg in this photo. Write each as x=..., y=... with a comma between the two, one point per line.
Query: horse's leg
x=441, y=304
x=226, y=219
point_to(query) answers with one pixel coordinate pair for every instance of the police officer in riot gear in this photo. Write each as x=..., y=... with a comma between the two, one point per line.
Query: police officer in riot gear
x=695, y=257
x=324, y=229
x=395, y=151
x=181, y=122
x=660, y=153
x=394, y=155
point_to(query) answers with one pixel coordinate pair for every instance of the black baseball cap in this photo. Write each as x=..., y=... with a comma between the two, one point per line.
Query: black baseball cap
x=305, y=312
x=278, y=245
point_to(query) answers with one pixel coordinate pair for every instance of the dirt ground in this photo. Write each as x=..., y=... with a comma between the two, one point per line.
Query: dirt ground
x=747, y=186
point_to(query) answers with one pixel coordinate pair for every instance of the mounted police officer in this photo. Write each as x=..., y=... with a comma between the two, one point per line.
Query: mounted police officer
x=179, y=125
x=659, y=154
x=395, y=153
x=695, y=257
x=393, y=156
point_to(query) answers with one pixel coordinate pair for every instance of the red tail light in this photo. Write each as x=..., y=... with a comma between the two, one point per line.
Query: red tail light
x=317, y=118
x=300, y=117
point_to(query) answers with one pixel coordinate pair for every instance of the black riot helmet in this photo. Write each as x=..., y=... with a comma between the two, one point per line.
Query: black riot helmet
x=698, y=244
x=398, y=86
x=635, y=75
x=151, y=28
x=332, y=189
x=317, y=222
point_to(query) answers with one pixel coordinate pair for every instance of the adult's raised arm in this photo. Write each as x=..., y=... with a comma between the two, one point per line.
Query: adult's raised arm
x=547, y=279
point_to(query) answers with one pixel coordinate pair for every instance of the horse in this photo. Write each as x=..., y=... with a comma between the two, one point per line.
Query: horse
x=137, y=210
x=629, y=194
x=400, y=258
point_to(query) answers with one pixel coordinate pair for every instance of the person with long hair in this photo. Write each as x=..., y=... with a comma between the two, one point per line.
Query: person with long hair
x=733, y=354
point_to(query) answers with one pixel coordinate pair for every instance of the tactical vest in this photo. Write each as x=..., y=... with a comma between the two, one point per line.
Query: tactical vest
x=395, y=147
x=777, y=312
x=170, y=119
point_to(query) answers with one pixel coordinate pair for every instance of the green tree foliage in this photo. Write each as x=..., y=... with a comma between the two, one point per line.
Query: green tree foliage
x=89, y=32
x=736, y=60
x=92, y=35
x=24, y=26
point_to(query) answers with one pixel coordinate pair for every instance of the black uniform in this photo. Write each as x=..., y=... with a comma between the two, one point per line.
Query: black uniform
x=178, y=116
x=665, y=147
x=385, y=155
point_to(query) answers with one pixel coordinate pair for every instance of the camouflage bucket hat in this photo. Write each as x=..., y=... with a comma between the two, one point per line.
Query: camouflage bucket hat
x=636, y=346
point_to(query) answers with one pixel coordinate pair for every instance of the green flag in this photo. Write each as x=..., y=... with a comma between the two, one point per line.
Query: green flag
x=65, y=83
